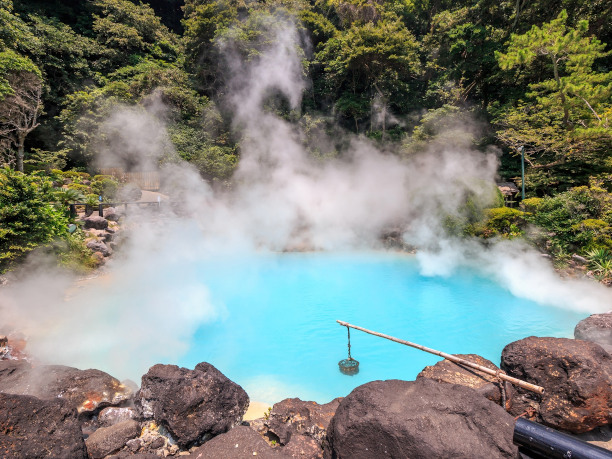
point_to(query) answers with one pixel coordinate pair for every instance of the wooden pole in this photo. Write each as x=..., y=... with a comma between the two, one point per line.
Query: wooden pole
x=452, y=358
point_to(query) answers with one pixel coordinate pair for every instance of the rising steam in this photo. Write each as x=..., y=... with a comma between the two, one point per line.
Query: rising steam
x=283, y=199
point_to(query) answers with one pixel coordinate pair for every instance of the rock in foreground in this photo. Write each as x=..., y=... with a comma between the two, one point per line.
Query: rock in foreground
x=31, y=428
x=488, y=386
x=576, y=376
x=85, y=390
x=191, y=404
x=293, y=416
x=239, y=443
x=419, y=419
x=108, y=440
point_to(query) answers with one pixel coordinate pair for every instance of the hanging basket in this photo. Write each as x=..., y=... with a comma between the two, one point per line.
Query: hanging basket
x=349, y=366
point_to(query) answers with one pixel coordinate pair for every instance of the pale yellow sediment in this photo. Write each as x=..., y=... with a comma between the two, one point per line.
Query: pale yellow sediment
x=256, y=410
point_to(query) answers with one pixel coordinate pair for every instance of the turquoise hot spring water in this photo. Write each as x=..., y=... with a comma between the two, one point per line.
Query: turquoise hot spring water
x=278, y=335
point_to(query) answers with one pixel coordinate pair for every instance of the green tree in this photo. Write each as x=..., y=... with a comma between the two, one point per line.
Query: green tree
x=370, y=62
x=131, y=31
x=565, y=117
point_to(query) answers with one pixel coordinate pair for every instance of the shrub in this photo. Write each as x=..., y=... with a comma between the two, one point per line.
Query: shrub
x=501, y=221
x=99, y=178
x=28, y=217
x=84, y=189
x=107, y=188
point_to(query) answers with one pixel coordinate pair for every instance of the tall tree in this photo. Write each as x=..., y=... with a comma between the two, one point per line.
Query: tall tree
x=21, y=103
x=563, y=123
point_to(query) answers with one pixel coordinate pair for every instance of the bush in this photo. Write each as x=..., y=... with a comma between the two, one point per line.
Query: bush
x=501, y=221
x=577, y=220
x=28, y=217
x=107, y=188
x=84, y=189
x=99, y=178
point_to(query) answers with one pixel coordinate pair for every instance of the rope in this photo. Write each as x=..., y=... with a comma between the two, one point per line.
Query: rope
x=502, y=388
x=348, y=330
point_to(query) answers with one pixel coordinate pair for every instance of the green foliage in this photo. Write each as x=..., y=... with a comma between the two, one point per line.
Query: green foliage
x=83, y=189
x=600, y=262
x=367, y=61
x=130, y=32
x=11, y=63
x=28, y=217
x=577, y=220
x=504, y=221
x=72, y=253
x=563, y=125
x=106, y=187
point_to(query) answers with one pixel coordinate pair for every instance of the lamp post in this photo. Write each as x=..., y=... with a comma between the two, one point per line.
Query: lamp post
x=522, y=151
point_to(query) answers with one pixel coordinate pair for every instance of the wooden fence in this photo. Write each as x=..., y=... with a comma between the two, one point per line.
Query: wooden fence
x=148, y=180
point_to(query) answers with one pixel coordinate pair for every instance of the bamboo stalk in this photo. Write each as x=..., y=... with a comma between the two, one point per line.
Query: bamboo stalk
x=452, y=358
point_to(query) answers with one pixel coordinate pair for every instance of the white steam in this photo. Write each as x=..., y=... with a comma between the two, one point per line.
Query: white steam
x=282, y=199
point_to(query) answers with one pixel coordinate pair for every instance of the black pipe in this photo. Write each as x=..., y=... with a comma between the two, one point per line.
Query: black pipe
x=549, y=443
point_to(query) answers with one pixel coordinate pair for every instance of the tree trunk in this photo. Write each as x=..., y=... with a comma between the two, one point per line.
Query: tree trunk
x=561, y=93
x=20, y=153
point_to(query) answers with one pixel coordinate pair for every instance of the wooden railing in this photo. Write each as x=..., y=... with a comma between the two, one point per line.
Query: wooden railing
x=100, y=207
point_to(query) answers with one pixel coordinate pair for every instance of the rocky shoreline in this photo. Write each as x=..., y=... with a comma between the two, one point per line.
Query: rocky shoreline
x=56, y=411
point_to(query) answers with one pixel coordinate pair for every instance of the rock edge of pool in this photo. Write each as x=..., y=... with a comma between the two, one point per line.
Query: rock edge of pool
x=447, y=411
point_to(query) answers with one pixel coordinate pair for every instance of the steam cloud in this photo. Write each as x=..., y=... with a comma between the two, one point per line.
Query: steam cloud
x=283, y=199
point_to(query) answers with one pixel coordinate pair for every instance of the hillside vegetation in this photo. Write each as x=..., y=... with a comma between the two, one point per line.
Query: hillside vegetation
x=531, y=77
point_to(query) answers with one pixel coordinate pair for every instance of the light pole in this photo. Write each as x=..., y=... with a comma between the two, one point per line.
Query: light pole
x=522, y=151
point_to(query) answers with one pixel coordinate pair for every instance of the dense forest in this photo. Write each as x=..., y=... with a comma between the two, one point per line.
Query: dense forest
x=530, y=78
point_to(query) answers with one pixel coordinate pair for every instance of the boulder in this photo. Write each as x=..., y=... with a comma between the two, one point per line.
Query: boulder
x=31, y=428
x=108, y=440
x=576, y=376
x=239, y=443
x=95, y=222
x=293, y=416
x=112, y=415
x=85, y=390
x=111, y=214
x=99, y=247
x=596, y=328
x=192, y=404
x=420, y=418
x=303, y=447
x=488, y=386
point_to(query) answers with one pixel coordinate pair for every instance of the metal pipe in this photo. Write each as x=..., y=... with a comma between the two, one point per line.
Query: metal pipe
x=498, y=374
x=550, y=443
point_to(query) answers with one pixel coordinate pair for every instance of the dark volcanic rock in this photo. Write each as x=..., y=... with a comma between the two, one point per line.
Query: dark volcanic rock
x=99, y=246
x=31, y=429
x=191, y=404
x=596, y=328
x=107, y=440
x=452, y=373
x=111, y=214
x=239, y=443
x=303, y=447
x=85, y=390
x=293, y=416
x=95, y=222
x=576, y=376
x=420, y=419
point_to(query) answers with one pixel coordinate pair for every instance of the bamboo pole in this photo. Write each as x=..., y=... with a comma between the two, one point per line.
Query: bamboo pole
x=452, y=358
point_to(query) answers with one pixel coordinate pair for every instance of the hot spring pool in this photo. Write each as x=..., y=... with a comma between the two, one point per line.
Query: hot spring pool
x=278, y=335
